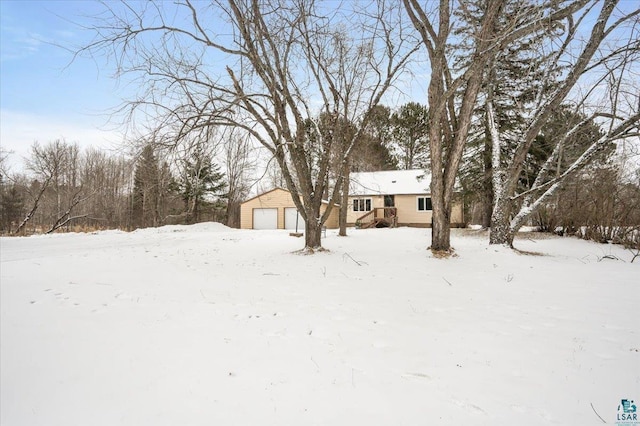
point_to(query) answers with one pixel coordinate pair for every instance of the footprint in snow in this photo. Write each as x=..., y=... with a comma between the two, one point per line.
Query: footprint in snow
x=420, y=376
x=468, y=406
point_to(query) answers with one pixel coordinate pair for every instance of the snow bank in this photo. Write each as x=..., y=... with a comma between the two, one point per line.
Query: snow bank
x=198, y=227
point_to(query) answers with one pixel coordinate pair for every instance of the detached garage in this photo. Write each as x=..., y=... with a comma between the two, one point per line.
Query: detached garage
x=275, y=210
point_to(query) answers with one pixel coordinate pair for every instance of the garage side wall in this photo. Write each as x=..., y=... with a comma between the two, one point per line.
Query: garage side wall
x=457, y=212
x=332, y=220
x=277, y=198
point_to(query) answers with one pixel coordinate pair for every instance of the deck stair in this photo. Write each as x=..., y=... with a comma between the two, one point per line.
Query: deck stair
x=379, y=217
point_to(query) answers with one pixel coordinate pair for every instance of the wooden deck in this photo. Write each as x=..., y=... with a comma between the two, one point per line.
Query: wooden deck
x=379, y=217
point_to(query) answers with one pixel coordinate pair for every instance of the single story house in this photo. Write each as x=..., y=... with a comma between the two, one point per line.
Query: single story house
x=376, y=199
x=394, y=198
x=275, y=209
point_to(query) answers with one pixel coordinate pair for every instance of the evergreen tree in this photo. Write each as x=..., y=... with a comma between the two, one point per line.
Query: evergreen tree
x=11, y=206
x=200, y=179
x=145, y=197
x=513, y=203
x=513, y=78
x=373, y=153
x=411, y=135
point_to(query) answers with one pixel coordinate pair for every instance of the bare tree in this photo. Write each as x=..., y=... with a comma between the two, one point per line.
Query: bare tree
x=110, y=178
x=36, y=203
x=56, y=165
x=65, y=218
x=603, y=68
x=453, y=93
x=284, y=62
x=4, y=168
x=240, y=166
x=451, y=101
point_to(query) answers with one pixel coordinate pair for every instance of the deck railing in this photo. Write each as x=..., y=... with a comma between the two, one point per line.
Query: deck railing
x=366, y=218
x=388, y=215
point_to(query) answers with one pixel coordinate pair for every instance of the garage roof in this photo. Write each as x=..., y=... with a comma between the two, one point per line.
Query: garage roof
x=277, y=189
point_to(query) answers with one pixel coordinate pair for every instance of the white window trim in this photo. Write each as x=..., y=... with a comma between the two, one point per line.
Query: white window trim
x=365, y=204
x=418, y=203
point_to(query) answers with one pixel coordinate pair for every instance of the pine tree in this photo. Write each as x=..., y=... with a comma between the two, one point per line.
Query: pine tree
x=513, y=206
x=411, y=135
x=145, y=197
x=513, y=78
x=373, y=153
x=11, y=206
x=200, y=179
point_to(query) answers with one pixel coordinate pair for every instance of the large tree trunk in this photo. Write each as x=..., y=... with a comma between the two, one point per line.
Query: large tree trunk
x=500, y=231
x=233, y=214
x=344, y=204
x=312, y=230
x=487, y=186
x=449, y=116
x=500, y=226
x=441, y=230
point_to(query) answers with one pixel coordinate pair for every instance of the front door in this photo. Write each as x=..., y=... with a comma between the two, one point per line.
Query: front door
x=389, y=201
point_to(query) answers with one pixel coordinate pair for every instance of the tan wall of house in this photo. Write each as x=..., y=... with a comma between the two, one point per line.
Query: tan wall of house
x=280, y=199
x=408, y=213
x=376, y=201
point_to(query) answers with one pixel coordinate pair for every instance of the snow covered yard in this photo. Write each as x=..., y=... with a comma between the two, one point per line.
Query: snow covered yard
x=204, y=325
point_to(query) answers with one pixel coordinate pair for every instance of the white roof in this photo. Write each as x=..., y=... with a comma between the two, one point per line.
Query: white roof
x=392, y=182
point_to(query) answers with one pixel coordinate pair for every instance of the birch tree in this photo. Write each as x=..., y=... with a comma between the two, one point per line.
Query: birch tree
x=262, y=66
x=453, y=91
x=591, y=68
x=516, y=74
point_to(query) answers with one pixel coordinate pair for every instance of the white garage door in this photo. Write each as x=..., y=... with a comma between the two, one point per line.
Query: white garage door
x=290, y=215
x=265, y=218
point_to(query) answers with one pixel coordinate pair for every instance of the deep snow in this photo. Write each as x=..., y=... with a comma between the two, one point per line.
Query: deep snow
x=204, y=325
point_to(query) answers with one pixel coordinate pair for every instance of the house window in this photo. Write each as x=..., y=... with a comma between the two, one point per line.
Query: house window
x=424, y=204
x=362, y=204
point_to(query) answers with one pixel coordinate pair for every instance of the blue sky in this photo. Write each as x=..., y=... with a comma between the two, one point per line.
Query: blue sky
x=43, y=94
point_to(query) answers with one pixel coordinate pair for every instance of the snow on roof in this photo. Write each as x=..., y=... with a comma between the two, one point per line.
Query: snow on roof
x=391, y=182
